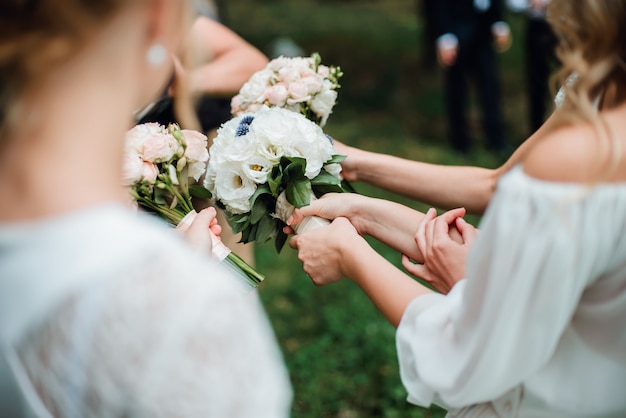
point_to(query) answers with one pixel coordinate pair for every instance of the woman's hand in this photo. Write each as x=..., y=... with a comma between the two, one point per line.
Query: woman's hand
x=331, y=206
x=322, y=251
x=203, y=230
x=444, y=256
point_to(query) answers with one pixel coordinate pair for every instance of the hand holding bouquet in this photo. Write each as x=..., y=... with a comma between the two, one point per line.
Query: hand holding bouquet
x=300, y=84
x=263, y=165
x=161, y=167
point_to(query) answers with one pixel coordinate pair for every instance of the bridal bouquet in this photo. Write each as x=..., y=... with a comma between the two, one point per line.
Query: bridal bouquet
x=263, y=165
x=301, y=84
x=161, y=167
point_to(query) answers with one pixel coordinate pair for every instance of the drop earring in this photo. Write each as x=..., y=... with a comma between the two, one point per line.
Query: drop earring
x=156, y=55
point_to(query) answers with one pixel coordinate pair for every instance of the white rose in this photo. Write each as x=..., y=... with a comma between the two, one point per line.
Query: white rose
x=322, y=104
x=253, y=89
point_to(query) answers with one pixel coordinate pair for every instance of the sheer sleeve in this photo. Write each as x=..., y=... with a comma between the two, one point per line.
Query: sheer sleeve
x=168, y=337
x=535, y=255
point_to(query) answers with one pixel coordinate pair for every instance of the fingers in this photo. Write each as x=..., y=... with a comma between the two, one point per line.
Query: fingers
x=421, y=238
x=468, y=232
x=452, y=214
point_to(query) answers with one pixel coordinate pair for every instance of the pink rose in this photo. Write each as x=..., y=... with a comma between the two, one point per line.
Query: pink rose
x=235, y=105
x=160, y=148
x=288, y=74
x=132, y=168
x=298, y=92
x=150, y=171
x=313, y=83
x=276, y=95
x=323, y=71
x=196, y=146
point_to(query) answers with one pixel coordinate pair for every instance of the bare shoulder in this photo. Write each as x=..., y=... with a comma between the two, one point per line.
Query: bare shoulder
x=571, y=153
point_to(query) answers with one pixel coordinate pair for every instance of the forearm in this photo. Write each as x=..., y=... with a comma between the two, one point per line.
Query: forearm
x=388, y=287
x=224, y=76
x=391, y=223
x=441, y=186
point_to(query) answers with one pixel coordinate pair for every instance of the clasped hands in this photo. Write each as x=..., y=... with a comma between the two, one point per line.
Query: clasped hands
x=330, y=253
x=444, y=242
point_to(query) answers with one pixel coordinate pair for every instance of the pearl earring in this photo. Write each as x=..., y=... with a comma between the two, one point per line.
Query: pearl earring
x=156, y=55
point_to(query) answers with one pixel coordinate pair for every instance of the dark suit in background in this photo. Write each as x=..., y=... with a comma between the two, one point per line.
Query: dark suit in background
x=475, y=60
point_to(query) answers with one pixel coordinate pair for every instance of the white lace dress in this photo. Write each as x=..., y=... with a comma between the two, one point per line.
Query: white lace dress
x=538, y=327
x=106, y=313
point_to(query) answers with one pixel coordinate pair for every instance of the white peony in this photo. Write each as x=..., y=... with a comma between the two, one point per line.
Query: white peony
x=323, y=102
x=254, y=88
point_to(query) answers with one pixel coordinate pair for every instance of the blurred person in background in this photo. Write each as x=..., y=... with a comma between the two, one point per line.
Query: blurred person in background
x=226, y=61
x=106, y=312
x=539, y=51
x=468, y=34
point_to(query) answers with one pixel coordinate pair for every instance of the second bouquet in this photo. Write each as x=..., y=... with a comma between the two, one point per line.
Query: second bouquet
x=161, y=166
x=263, y=165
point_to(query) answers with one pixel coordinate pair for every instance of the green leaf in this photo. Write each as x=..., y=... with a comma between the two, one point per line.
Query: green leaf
x=200, y=192
x=257, y=211
x=280, y=240
x=295, y=170
x=324, y=177
x=336, y=159
x=267, y=228
x=298, y=193
x=160, y=196
x=322, y=189
x=275, y=179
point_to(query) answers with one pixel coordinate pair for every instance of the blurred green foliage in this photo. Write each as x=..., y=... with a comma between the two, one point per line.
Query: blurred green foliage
x=339, y=349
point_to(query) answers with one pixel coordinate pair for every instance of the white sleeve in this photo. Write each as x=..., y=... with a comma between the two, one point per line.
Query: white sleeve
x=525, y=275
x=171, y=338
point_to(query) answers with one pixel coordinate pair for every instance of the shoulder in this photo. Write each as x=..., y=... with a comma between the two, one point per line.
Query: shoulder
x=568, y=153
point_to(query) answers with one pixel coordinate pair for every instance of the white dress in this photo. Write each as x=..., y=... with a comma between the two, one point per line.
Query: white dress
x=107, y=313
x=538, y=326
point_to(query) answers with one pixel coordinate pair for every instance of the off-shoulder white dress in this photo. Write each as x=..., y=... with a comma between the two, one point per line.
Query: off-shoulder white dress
x=538, y=326
x=106, y=313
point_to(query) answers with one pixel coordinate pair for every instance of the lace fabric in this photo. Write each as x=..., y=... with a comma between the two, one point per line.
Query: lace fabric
x=159, y=333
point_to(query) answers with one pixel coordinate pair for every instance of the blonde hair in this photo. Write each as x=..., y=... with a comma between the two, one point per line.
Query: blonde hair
x=592, y=51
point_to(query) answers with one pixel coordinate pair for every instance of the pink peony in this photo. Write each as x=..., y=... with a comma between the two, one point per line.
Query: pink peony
x=150, y=171
x=132, y=168
x=196, y=146
x=160, y=148
x=276, y=95
x=298, y=92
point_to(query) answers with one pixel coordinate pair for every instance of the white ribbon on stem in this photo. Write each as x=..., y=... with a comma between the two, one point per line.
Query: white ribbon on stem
x=284, y=209
x=218, y=249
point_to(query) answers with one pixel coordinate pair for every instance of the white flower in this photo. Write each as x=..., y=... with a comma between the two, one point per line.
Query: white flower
x=231, y=187
x=257, y=169
x=322, y=104
x=254, y=88
x=334, y=169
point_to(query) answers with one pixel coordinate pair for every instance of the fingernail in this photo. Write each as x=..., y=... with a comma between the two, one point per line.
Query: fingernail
x=290, y=220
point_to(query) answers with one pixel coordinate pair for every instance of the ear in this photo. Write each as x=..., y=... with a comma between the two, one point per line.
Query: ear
x=166, y=22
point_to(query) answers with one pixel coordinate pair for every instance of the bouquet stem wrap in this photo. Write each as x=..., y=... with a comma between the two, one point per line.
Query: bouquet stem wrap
x=284, y=209
x=224, y=254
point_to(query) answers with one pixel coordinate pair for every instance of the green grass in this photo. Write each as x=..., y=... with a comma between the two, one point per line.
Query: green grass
x=339, y=349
